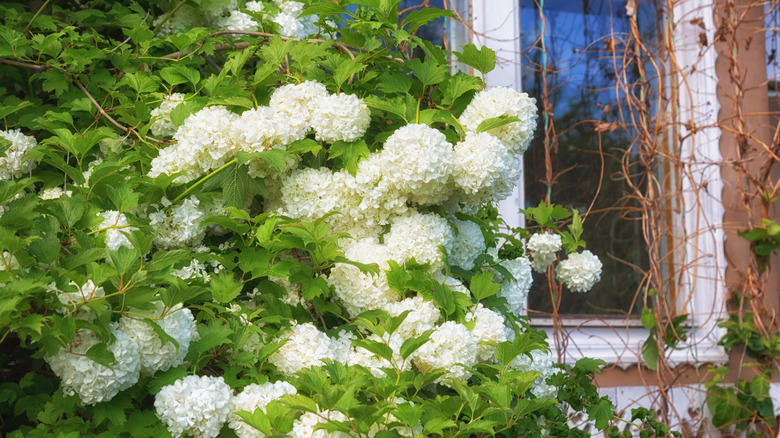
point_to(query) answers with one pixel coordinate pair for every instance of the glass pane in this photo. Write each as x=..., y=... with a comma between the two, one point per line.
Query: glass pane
x=581, y=74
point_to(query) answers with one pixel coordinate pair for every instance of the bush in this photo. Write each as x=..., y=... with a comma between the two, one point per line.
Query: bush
x=269, y=218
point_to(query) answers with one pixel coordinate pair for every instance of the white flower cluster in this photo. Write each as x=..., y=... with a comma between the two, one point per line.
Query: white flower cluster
x=540, y=361
x=161, y=116
x=83, y=293
x=55, y=192
x=305, y=347
x=423, y=316
x=515, y=291
x=208, y=13
x=178, y=323
x=290, y=24
x=489, y=330
x=211, y=137
x=178, y=226
x=93, y=382
x=501, y=101
x=543, y=248
x=137, y=347
x=205, y=141
x=360, y=291
x=418, y=236
x=303, y=426
x=450, y=347
x=255, y=397
x=418, y=161
x=467, y=245
x=13, y=159
x=117, y=228
x=194, y=405
x=580, y=271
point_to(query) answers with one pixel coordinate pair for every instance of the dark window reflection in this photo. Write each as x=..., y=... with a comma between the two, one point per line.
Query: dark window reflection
x=581, y=77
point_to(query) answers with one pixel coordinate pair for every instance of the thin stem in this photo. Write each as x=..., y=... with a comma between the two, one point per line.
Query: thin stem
x=24, y=64
x=205, y=178
x=169, y=15
x=26, y=28
x=109, y=118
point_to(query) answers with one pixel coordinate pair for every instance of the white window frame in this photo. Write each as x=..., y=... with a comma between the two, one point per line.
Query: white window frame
x=496, y=23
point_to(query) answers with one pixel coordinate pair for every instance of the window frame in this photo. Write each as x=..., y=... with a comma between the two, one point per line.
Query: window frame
x=496, y=23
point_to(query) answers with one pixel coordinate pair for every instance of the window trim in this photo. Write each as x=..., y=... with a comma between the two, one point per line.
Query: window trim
x=496, y=23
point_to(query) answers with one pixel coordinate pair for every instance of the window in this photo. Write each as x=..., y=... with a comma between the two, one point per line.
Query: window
x=699, y=263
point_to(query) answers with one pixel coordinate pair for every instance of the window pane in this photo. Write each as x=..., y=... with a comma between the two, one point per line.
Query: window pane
x=581, y=83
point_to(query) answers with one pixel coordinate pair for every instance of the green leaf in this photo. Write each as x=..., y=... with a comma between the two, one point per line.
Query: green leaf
x=429, y=72
x=162, y=334
x=141, y=82
x=303, y=146
x=650, y=352
x=411, y=345
x=443, y=297
x=394, y=82
x=180, y=74
x=349, y=154
x=379, y=348
x=7, y=110
x=482, y=286
x=223, y=288
x=100, y=354
x=326, y=9
x=67, y=210
x=212, y=335
x=346, y=68
x=601, y=413
x=495, y=122
x=422, y=17
x=276, y=158
x=256, y=419
x=122, y=196
x=648, y=318
x=483, y=60
x=166, y=378
x=54, y=81
x=395, y=106
x=124, y=259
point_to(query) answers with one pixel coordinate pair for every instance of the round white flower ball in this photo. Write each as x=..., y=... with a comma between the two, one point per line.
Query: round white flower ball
x=360, y=291
x=515, y=291
x=13, y=161
x=418, y=235
x=580, y=271
x=423, y=315
x=467, y=245
x=480, y=161
x=178, y=226
x=297, y=101
x=543, y=248
x=162, y=125
x=194, y=405
x=489, y=330
x=306, y=346
x=93, y=382
x=450, y=347
x=340, y=117
x=205, y=141
x=255, y=396
x=500, y=101
x=178, y=323
x=418, y=160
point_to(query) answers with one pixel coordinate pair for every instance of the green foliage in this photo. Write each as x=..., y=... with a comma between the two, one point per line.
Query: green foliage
x=84, y=80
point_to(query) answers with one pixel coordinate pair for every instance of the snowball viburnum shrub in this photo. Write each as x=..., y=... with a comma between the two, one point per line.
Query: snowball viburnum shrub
x=254, y=216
